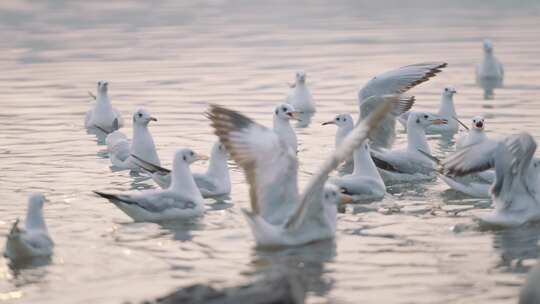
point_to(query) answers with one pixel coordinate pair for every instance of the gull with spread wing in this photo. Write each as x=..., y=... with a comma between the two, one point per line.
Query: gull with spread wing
x=280, y=215
x=516, y=189
x=396, y=81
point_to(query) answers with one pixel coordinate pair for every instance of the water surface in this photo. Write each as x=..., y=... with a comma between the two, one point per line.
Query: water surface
x=419, y=245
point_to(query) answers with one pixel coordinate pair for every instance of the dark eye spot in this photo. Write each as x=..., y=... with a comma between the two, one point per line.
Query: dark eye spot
x=446, y=89
x=184, y=158
x=276, y=112
x=417, y=120
x=191, y=153
x=425, y=116
x=344, y=119
x=338, y=119
x=284, y=109
x=326, y=196
x=140, y=114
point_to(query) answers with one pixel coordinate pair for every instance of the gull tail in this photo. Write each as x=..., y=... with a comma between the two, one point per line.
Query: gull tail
x=149, y=166
x=15, y=230
x=431, y=157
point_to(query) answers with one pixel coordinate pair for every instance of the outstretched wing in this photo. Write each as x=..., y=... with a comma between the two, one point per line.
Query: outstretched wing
x=351, y=142
x=393, y=82
x=512, y=160
x=269, y=165
x=400, y=80
x=471, y=159
x=385, y=133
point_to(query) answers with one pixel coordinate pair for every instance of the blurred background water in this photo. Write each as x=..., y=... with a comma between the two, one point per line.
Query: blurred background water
x=419, y=245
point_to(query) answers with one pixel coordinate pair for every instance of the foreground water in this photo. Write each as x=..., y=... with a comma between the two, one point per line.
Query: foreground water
x=419, y=245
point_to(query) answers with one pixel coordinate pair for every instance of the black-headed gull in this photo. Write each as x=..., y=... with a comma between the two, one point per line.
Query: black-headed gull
x=271, y=170
x=396, y=81
x=103, y=116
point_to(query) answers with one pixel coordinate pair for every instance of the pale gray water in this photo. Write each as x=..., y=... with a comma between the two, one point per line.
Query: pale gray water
x=175, y=59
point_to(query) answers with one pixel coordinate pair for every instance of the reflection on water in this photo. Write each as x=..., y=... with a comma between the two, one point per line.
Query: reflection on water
x=420, y=244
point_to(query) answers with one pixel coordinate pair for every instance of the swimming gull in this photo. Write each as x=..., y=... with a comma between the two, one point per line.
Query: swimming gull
x=181, y=201
x=299, y=95
x=490, y=72
x=283, y=114
x=103, y=116
x=447, y=110
x=34, y=240
x=365, y=183
x=214, y=183
x=409, y=164
x=271, y=170
x=120, y=150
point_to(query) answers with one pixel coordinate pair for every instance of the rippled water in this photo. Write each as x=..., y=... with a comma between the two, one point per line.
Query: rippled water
x=176, y=58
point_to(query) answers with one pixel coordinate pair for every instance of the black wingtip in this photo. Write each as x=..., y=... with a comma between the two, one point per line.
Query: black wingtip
x=149, y=166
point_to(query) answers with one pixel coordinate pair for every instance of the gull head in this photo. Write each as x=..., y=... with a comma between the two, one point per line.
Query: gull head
x=300, y=77
x=142, y=117
x=341, y=120
x=333, y=197
x=102, y=86
x=425, y=120
x=449, y=91
x=219, y=151
x=478, y=123
x=488, y=46
x=36, y=201
x=186, y=156
x=285, y=112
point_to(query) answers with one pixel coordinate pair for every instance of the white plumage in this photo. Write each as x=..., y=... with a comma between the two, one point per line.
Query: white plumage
x=299, y=95
x=447, y=110
x=410, y=164
x=103, y=116
x=181, y=201
x=142, y=145
x=489, y=72
x=515, y=191
x=279, y=215
x=396, y=81
x=34, y=240
x=214, y=183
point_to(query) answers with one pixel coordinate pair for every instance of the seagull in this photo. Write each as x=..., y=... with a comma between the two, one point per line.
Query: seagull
x=410, y=164
x=490, y=72
x=476, y=184
x=215, y=183
x=103, y=116
x=280, y=215
x=34, y=240
x=283, y=114
x=447, y=111
x=474, y=135
x=396, y=81
x=299, y=95
x=120, y=150
x=515, y=191
x=365, y=182
x=182, y=200
x=345, y=124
